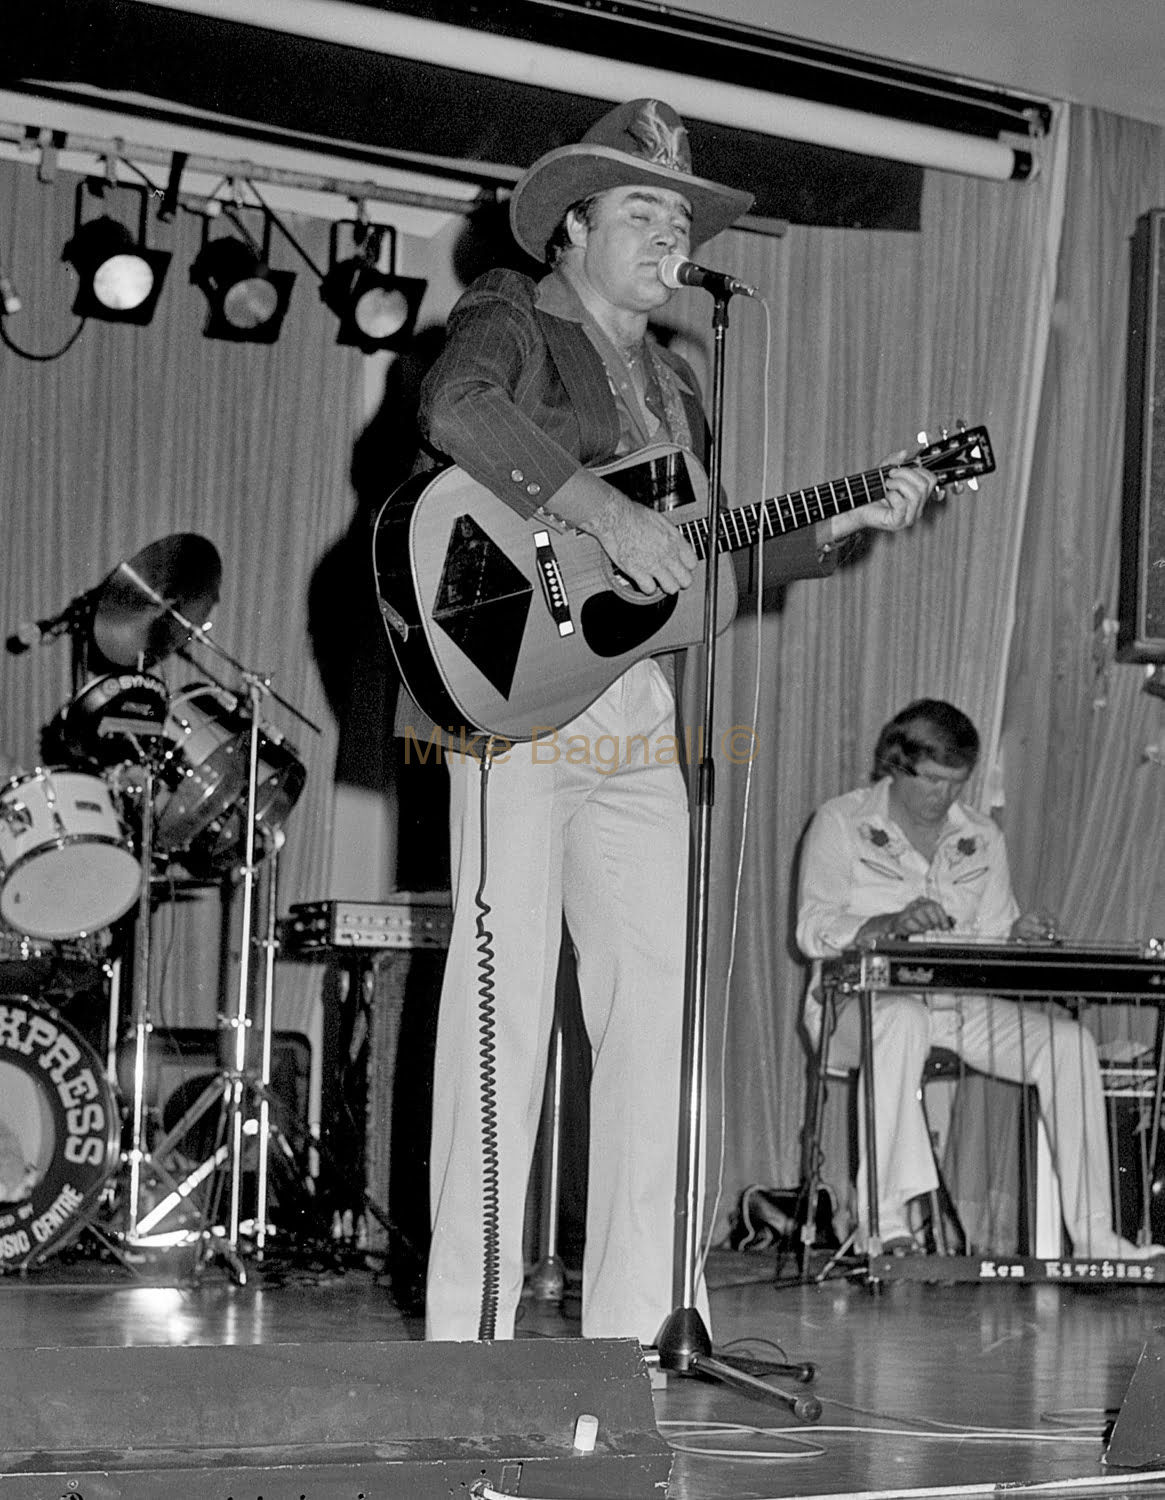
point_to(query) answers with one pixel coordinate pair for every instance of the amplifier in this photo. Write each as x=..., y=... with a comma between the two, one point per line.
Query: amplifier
x=408, y=919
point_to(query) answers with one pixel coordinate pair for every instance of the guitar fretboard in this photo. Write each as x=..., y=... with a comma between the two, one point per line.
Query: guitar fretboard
x=758, y=522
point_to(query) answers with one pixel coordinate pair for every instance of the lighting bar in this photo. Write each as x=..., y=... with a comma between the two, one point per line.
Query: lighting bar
x=535, y=63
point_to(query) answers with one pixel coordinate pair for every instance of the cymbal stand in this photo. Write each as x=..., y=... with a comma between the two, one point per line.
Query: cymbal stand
x=270, y=947
x=239, y=1082
x=232, y=1086
x=80, y=631
x=138, y=1226
x=241, y=1020
x=141, y=1007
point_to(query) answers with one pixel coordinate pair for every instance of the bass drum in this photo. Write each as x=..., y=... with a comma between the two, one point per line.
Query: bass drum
x=58, y=1132
x=201, y=806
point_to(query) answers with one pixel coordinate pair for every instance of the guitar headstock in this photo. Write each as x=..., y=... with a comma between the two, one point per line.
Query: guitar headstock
x=958, y=457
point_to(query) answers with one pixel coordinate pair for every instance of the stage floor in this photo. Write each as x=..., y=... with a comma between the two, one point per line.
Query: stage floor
x=923, y=1386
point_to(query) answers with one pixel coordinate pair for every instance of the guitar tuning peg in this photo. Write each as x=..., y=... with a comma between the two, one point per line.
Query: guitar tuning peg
x=972, y=484
x=922, y=438
x=961, y=424
x=945, y=431
x=958, y=487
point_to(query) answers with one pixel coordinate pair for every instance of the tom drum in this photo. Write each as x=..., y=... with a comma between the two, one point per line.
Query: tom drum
x=201, y=805
x=67, y=865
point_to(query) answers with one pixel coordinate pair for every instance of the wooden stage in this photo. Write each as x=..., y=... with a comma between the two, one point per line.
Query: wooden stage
x=923, y=1386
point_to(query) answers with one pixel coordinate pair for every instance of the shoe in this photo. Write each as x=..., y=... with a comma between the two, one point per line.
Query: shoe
x=895, y=1233
x=1106, y=1245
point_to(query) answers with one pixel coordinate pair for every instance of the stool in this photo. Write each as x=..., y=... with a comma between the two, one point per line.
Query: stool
x=1039, y=1187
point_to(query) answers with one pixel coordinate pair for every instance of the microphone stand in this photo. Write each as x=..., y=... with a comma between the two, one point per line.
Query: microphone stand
x=685, y=1346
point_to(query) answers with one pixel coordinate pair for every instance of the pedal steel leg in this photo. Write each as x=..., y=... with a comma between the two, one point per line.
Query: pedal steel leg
x=874, y=1246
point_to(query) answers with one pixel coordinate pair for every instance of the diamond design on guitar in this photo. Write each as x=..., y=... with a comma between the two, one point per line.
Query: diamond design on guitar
x=482, y=603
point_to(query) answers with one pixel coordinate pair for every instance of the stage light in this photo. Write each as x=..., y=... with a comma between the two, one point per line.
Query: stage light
x=376, y=308
x=120, y=277
x=248, y=300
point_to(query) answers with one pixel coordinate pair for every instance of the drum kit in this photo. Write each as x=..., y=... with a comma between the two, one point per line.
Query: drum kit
x=136, y=782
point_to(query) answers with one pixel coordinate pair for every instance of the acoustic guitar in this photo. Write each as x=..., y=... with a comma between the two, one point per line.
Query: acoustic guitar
x=508, y=626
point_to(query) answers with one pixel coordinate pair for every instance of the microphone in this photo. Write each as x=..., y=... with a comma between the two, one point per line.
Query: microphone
x=34, y=632
x=676, y=271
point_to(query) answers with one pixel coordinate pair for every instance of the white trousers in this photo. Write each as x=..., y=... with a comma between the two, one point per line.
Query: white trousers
x=1006, y=1039
x=579, y=825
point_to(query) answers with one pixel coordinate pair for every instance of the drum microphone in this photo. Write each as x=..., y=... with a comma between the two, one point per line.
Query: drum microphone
x=677, y=270
x=35, y=632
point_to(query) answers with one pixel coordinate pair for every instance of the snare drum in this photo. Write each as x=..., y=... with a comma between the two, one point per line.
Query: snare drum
x=200, y=809
x=67, y=865
x=112, y=720
x=58, y=1132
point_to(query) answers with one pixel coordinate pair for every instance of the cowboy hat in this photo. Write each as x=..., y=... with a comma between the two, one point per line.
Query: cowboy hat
x=643, y=142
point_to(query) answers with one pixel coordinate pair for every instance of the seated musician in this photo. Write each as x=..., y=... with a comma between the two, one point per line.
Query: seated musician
x=905, y=858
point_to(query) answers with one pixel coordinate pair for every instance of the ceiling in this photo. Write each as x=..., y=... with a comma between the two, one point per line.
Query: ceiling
x=167, y=71
x=1105, y=53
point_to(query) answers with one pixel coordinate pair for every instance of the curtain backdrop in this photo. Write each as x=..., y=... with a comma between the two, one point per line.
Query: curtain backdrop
x=1086, y=805
x=1007, y=309
x=135, y=434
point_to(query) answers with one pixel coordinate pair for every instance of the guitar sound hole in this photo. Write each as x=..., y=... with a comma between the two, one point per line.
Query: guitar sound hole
x=612, y=625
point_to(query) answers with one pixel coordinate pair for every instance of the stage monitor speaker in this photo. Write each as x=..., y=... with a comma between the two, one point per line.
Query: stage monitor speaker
x=395, y=1421
x=1138, y=1437
x=1141, y=615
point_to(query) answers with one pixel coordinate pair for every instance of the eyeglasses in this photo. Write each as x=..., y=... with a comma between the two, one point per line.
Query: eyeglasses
x=952, y=781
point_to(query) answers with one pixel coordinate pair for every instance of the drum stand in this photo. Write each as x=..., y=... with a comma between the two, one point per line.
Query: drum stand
x=139, y=1226
x=235, y=1089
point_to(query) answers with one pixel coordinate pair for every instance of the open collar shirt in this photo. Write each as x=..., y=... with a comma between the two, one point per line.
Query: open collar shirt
x=858, y=863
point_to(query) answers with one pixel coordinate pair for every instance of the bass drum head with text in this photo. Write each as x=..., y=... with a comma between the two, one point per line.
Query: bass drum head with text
x=58, y=1132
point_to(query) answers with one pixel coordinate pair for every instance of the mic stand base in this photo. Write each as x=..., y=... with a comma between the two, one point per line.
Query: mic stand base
x=684, y=1348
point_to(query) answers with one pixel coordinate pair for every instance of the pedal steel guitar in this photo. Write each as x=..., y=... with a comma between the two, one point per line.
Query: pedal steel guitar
x=1073, y=974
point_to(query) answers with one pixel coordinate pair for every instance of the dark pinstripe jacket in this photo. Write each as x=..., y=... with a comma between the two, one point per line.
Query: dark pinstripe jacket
x=520, y=399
